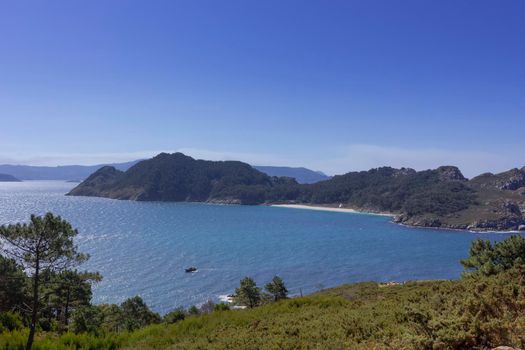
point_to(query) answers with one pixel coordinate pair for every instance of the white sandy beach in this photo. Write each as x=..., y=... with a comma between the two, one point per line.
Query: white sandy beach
x=341, y=210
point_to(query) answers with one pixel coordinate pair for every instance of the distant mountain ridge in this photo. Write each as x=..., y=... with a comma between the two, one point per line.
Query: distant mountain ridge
x=441, y=197
x=65, y=172
x=302, y=175
x=8, y=178
x=81, y=172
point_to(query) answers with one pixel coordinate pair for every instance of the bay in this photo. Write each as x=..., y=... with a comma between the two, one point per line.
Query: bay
x=142, y=248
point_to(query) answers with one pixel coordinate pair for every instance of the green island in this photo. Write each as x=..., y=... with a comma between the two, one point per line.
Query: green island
x=45, y=303
x=441, y=197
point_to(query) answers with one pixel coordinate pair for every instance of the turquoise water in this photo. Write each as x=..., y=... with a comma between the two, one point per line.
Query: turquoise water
x=142, y=248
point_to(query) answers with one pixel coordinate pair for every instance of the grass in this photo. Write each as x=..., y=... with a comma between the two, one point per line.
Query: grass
x=471, y=313
x=16, y=340
x=466, y=314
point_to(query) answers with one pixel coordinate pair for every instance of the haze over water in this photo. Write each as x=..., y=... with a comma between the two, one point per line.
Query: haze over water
x=142, y=248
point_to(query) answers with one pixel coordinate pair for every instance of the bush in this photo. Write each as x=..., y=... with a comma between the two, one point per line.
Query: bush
x=175, y=315
x=193, y=310
x=486, y=258
x=16, y=340
x=207, y=307
x=136, y=314
x=87, y=319
x=10, y=321
x=47, y=324
x=221, y=307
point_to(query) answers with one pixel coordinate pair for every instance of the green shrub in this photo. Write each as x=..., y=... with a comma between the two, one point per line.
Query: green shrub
x=193, y=310
x=16, y=340
x=487, y=258
x=10, y=321
x=465, y=314
x=221, y=307
x=87, y=319
x=175, y=315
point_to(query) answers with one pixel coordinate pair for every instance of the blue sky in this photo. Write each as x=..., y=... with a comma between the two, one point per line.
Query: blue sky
x=331, y=85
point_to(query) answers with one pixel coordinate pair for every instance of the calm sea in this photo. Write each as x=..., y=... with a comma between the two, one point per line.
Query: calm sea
x=142, y=248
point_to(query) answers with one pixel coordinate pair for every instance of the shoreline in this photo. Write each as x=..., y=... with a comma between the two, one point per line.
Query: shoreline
x=456, y=229
x=326, y=208
x=353, y=211
x=329, y=209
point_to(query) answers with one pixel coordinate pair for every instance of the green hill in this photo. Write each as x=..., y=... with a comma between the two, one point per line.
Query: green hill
x=441, y=191
x=431, y=198
x=441, y=197
x=176, y=177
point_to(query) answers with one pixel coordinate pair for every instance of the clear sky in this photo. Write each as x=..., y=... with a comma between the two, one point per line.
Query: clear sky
x=331, y=85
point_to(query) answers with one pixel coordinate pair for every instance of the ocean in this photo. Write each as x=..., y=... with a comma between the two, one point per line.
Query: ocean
x=142, y=248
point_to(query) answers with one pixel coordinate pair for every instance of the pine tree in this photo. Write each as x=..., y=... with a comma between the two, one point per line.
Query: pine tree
x=277, y=288
x=248, y=294
x=44, y=245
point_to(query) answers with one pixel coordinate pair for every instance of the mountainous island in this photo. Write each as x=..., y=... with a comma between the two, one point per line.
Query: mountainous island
x=63, y=172
x=8, y=178
x=441, y=197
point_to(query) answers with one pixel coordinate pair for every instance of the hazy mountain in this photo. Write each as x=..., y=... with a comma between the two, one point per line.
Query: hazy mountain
x=8, y=178
x=81, y=172
x=66, y=172
x=302, y=175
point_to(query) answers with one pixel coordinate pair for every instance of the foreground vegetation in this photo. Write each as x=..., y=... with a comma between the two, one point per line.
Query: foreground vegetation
x=482, y=310
x=465, y=314
x=473, y=313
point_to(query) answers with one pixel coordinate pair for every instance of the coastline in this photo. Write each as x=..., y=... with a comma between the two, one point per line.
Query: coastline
x=335, y=208
x=457, y=229
x=353, y=211
x=326, y=208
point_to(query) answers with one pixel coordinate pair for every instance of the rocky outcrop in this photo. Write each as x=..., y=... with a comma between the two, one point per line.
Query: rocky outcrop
x=505, y=215
x=508, y=215
x=450, y=173
x=511, y=180
x=504, y=224
x=418, y=221
x=224, y=201
x=514, y=179
x=403, y=172
x=435, y=222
